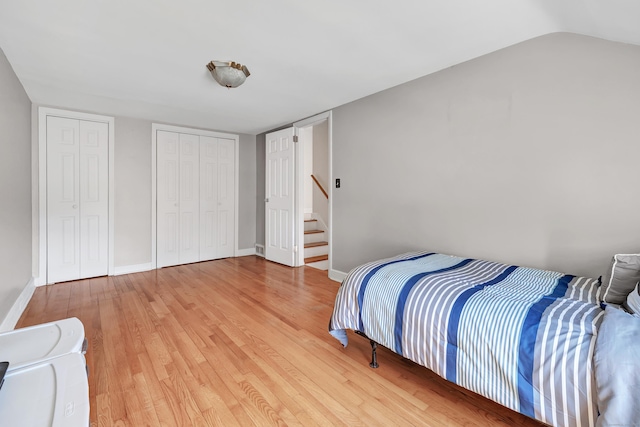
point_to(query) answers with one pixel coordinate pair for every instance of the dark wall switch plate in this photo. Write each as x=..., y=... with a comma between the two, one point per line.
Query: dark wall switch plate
x=337, y=182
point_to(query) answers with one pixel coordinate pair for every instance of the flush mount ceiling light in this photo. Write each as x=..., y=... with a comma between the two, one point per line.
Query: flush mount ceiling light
x=228, y=73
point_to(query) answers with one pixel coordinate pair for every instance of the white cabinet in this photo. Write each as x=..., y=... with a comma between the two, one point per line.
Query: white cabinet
x=195, y=197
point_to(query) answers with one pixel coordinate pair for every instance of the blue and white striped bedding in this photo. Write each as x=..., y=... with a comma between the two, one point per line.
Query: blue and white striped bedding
x=520, y=336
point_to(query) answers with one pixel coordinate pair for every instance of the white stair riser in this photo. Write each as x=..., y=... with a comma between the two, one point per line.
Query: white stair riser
x=320, y=265
x=310, y=225
x=315, y=237
x=316, y=251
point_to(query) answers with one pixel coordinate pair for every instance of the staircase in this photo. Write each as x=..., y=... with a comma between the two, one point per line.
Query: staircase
x=316, y=248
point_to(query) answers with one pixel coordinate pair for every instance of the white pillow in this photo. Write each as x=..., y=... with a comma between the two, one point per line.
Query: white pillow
x=616, y=369
x=621, y=278
x=633, y=302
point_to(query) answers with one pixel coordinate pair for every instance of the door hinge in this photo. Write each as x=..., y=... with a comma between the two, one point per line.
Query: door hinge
x=295, y=138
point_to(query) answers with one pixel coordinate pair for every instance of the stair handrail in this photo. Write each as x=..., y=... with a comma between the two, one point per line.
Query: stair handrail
x=320, y=186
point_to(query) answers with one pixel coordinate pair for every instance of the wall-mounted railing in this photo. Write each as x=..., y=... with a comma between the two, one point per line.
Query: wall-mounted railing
x=320, y=187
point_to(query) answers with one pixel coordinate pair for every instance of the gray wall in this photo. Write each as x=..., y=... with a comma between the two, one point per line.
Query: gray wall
x=261, y=156
x=247, y=190
x=528, y=155
x=132, y=204
x=15, y=187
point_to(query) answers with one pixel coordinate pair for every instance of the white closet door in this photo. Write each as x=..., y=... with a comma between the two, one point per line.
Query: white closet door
x=77, y=199
x=168, y=246
x=226, y=198
x=63, y=204
x=195, y=197
x=208, y=198
x=189, y=198
x=94, y=199
x=217, y=198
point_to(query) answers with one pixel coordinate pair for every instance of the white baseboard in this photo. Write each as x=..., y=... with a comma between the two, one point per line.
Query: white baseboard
x=128, y=269
x=11, y=319
x=336, y=275
x=245, y=252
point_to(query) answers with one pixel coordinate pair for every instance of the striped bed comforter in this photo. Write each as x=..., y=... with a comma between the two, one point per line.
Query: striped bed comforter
x=520, y=336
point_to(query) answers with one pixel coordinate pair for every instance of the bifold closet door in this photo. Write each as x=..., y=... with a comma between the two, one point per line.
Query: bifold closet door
x=195, y=198
x=217, y=198
x=77, y=199
x=178, y=198
x=208, y=197
x=168, y=193
x=226, y=198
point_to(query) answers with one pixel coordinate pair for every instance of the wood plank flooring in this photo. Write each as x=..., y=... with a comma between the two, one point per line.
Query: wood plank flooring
x=242, y=342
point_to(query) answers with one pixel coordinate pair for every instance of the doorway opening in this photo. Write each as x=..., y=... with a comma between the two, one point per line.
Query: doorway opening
x=298, y=194
x=313, y=184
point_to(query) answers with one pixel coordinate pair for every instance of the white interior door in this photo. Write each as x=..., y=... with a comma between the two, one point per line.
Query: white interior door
x=280, y=213
x=77, y=199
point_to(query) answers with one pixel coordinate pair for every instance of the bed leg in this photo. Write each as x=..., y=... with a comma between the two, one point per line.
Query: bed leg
x=374, y=356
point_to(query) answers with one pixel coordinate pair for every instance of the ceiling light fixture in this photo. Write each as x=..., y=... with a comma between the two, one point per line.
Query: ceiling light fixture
x=228, y=73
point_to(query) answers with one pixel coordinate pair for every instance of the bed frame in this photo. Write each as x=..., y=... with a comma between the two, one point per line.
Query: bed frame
x=374, y=348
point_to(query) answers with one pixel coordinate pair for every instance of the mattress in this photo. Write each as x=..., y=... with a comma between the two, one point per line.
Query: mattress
x=520, y=336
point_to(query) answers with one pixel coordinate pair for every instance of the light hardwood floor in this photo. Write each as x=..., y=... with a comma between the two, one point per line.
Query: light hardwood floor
x=241, y=342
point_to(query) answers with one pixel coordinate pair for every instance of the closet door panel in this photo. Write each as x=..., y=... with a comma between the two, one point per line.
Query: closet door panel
x=189, y=198
x=94, y=199
x=63, y=204
x=226, y=198
x=168, y=191
x=208, y=197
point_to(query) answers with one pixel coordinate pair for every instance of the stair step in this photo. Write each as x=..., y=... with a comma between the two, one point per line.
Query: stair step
x=310, y=224
x=313, y=231
x=320, y=265
x=315, y=244
x=316, y=259
x=316, y=250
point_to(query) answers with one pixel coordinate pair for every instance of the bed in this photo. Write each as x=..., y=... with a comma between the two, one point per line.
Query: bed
x=522, y=337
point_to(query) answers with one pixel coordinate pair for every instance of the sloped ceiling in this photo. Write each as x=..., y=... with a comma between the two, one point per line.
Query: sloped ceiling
x=146, y=58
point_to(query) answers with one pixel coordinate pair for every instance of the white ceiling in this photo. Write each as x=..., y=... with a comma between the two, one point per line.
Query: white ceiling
x=146, y=58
